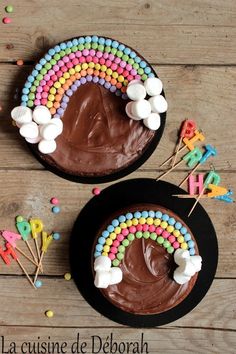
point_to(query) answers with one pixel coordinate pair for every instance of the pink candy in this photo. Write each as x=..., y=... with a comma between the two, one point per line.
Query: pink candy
x=102, y=61
x=145, y=227
x=99, y=54
x=116, y=243
x=92, y=52
x=151, y=228
x=72, y=56
x=89, y=59
x=75, y=61
x=139, y=227
x=78, y=54
x=120, y=70
x=165, y=234
x=54, y=201
x=171, y=239
x=85, y=52
x=125, y=232
x=111, y=256
x=159, y=230
x=175, y=244
x=96, y=191
x=120, y=237
x=132, y=229
x=65, y=59
x=69, y=65
x=113, y=250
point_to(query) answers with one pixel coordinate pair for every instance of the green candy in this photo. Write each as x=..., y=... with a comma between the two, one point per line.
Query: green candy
x=48, y=66
x=30, y=103
x=125, y=242
x=33, y=88
x=115, y=262
x=39, y=77
x=121, y=249
x=125, y=57
x=131, y=237
x=94, y=45
x=113, y=50
x=74, y=48
x=135, y=66
x=53, y=62
x=146, y=234
x=68, y=50
x=170, y=249
x=144, y=77
x=153, y=236
x=87, y=46
x=43, y=71
x=131, y=61
x=119, y=53
x=57, y=56
x=36, y=83
x=160, y=240
x=101, y=47
x=139, y=234
x=120, y=256
x=140, y=71
x=9, y=9
x=31, y=96
x=107, y=49
x=63, y=53
x=166, y=244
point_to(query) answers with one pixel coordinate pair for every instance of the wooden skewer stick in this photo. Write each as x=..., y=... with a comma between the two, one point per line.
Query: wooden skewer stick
x=197, y=200
x=27, y=257
x=31, y=251
x=168, y=171
x=189, y=196
x=38, y=253
x=176, y=152
x=40, y=264
x=190, y=174
x=28, y=277
x=171, y=157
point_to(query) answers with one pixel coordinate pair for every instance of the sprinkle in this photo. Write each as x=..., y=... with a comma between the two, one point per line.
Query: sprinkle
x=20, y=62
x=56, y=236
x=38, y=283
x=96, y=191
x=6, y=20
x=54, y=201
x=9, y=9
x=56, y=209
x=19, y=218
x=49, y=313
x=67, y=276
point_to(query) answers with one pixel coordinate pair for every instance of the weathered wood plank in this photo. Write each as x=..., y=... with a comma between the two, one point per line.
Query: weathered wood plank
x=191, y=34
x=205, y=94
x=71, y=310
x=28, y=193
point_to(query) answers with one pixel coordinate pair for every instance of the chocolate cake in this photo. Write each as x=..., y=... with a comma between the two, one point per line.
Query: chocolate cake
x=143, y=246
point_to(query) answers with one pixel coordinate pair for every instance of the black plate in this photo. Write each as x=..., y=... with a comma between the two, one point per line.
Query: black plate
x=124, y=194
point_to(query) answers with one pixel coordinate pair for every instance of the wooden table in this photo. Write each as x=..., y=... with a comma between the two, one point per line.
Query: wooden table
x=192, y=45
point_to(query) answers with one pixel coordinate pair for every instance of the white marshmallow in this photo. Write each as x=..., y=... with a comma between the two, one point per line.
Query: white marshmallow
x=102, y=279
x=41, y=115
x=29, y=130
x=153, y=86
x=141, y=109
x=128, y=110
x=47, y=146
x=187, y=268
x=49, y=131
x=153, y=121
x=22, y=114
x=33, y=141
x=58, y=122
x=180, y=255
x=197, y=262
x=180, y=278
x=136, y=91
x=116, y=275
x=102, y=263
x=158, y=104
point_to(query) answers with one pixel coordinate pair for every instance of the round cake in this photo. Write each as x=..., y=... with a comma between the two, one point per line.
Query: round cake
x=157, y=257
x=74, y=107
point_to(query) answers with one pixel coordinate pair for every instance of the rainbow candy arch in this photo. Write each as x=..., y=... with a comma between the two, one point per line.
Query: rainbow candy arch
x=71, y=64
x=161, y=228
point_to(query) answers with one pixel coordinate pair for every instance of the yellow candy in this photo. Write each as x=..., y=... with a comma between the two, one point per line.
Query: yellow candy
x=150, y=221
x=62, y=80
x=109, y=241
x=180, y=239
x=77, y=68
x=170, y=229
x=53, y=90
x=112, y=236
x=36, y=227
x=184, y=246
x=129, y=223
x=142, y=221
x=176, y=233
x=46, y=240
x=157, y=222
x=164, y=224
x=117, y=230
x=106, y=248
x=97, y=66
x=134, y=221
x=109, y=71
x=123, y=225
x=91, y=65
x=115, y=75
x=121, y=78
x=51, y=98
x=103, y=68
x=72, y=71
x=104, y=253
x=49, y=313
x=66, y=75
x=49, y=104
x=67, y=276
x=57, y=84
x=84, y=66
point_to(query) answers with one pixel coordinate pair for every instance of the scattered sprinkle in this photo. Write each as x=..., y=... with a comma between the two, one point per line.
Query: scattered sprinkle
x=6, y=20
x=49, y=313
x=20, y=62
x=54, y=201
x=9, y=9
x=19, y=218
x=67, y=276
x=56, y=209
x=38, y=284
x=96, y=191
x=56, y=236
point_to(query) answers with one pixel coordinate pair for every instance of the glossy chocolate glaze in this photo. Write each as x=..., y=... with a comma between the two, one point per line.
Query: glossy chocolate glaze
x=148, y=286
x=98, y=137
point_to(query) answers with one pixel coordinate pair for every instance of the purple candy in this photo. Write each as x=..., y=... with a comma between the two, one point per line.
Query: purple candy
x=42, y=83
x=46, y=77
x=60, y=111
x=107, y=85
x=92, y=52
x=122, y=64
x=60, y=63
x=51, y=72
x=73, y=88
x=69, y=92
x=101, y=81
x=118, y=93
x=65, y=99
x=124, y=96
x=77, y=83
x=89, y=78
x=85, y=52
x=66, y=59
x=128, y=67
x=56, y=115
x=56, y=68
x=111, y=57
x=82, y=80
x=95, y=79
x=133, y=72
x=63, y=105
x=99, y=54
x=137, y=77
x=113, y=88
x=117, y=60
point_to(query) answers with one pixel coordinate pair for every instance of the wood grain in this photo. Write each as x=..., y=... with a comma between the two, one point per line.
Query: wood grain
x=191, y=34
x=205, y=94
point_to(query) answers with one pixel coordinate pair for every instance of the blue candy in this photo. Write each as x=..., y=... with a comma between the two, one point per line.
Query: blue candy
x=56, y=236
x=48, y=57
x=114, y=44
x=38, y=283
x=137, y=60
x=132, y=55
x=183, y=230
x=121, y=218
x=171, y=221
x=63, y=46
x=101, y=240
x=165, y=217
x=38, y=66
x=137, y=214
x=178, y=225
x=115, y=222
x=69, y=44
x=105, y=233
x=191, y=244
x=56, y=209
x=108, y=42
x=127, y=51
x=75, y=42
x=51, y=51
x=95, y=39
x=88, y=39
x=151, y=214
x=158, y=214
x=99, y=247
x=143, y=64
x=97, y=254
x=151, y=75
x=192, y=251
x=121, y=47
x=144, y=214
x=187, y=237
x=110, y=228
x=129, y=216
x=42, y=61
x=101, y=40
x=57, y=49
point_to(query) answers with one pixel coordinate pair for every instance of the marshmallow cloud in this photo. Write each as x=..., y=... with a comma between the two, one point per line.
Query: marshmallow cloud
x=147, y=109
x=38, y=127
x=106, y=274
x=187, y=266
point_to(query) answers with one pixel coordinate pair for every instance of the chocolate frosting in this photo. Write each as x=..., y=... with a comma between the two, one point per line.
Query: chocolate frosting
x=147, y=286
x=98, y=137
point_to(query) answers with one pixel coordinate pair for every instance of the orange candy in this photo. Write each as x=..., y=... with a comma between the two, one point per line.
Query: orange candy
x=119, y=85
x=56, y=104
x=60, y=91
x=113, y=81
x=69, y=82
x=58, y=98
x=83, y=72
x=96, y=73
x=52, y=110
x=123, y=89
x=20, y=62
x=73, y=78
x=90, y=71
x=108, y=78
x=102, y=74
x=65, y=87
x=78, y=76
